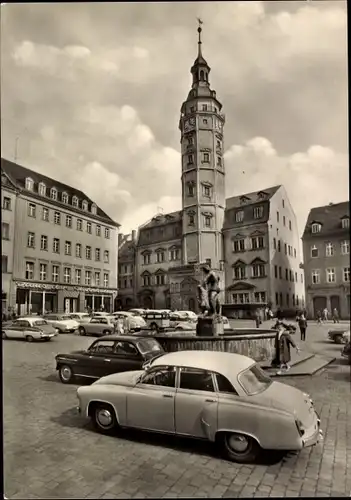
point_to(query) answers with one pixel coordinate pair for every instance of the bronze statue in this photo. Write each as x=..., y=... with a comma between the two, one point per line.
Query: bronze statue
x=208, y=293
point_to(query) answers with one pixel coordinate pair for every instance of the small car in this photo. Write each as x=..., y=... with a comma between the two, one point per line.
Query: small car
x=80, y=317
x=346, y=352
x=62, y=322
x=157, y=320
x=136, y=322
x=107, y=355
x=98, y=325
x=217, y=396
x=337, y=336
x=29, y=328
x=136, y=311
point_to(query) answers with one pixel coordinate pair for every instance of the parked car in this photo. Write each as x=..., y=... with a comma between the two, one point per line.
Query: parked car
x=346, y=352
x=157, y=321
x=137, y=312
x=29, y=328
x=184, y=326
x=98, y=325
x=62, y=322
x=100, y=314
x=136, y=322
x=80, y=317
x=218, y=396
x=337, y=336
x=107, y=355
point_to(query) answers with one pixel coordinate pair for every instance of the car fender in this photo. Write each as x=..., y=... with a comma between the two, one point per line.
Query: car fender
x=114, y=395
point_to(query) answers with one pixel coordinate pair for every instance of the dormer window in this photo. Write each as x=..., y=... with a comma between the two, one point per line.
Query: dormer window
x=29, y=184
x=316, y=227
x=244, y=200
x=258, y=212
x=345, y=223
x=85, y=205
x=261, y=195
x=75, y=201
x=93, y=209
x=64, y=198
x=53, y=194
x=239, y=216
x=42, y=189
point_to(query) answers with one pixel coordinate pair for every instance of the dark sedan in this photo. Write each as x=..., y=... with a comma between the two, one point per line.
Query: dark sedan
x=107, y=355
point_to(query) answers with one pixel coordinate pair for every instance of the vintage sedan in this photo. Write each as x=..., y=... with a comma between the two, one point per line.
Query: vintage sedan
x=339, y=336
x=62, y=322
x=80, y=317
x=107, y=355
x=29, y=329
x=218, y=396
x=98, y=325
x=135, y=321
x=346, y=352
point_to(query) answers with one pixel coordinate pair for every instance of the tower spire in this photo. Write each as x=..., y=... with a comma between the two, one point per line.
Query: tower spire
x=199, y=30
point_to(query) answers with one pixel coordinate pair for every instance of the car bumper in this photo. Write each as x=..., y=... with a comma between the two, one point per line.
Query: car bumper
x=48, y=336
x=314, y=434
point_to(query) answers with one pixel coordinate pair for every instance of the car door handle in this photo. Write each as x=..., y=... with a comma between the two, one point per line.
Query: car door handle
x=107, y=359
x=168, y=395
x=210, y=400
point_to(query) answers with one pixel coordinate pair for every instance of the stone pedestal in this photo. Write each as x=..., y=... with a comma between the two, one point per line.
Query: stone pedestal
x=209, y=326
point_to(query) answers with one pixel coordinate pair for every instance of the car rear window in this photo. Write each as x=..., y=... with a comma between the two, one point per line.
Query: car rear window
x=254, y=380
x=40, y=322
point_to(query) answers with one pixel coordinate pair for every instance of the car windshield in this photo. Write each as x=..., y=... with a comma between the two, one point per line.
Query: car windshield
x=149, y=345
x=65, y=317
x=40, y=322
x=254, y=380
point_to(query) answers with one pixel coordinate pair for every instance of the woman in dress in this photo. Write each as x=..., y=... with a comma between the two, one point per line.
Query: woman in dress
x=283, y=343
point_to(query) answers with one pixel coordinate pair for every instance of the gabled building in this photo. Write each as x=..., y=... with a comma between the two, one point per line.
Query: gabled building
x=64, y=249
x=326, y=250
x=126, y=271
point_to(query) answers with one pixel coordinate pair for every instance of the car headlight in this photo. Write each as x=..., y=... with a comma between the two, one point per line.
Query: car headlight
x=300, y=427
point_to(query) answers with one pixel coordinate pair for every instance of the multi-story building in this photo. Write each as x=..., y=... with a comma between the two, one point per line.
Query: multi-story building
x=256, y=231
x=126, y=271
x=64, y=246
x=9, y=193
x=326, y=250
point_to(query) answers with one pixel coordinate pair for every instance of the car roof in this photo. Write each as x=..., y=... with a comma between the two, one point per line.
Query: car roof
x=225, y=363
x=122, y=337
x=26, y=318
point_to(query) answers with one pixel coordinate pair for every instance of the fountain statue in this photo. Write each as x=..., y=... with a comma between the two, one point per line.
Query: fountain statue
x=210, y=321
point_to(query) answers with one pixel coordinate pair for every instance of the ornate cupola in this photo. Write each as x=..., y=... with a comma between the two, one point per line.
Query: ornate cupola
x=200, y=69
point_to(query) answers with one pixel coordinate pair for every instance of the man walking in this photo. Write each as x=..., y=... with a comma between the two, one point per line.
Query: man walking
x=336, y=316
x=303, y=326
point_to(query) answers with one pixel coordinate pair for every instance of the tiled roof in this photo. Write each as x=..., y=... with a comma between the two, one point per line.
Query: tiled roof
x=161, y=219
x=329, y=216
x=19, y=174
x=251, y=198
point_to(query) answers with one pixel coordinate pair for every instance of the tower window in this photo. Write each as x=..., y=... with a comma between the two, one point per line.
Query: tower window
x=191, y=220
x=202, y=75
x=191, y=190
x=207, y=221
x=206, y=157
x=190, y=159
x=204, y=107
x=219, y=160
x=219, y=144
x=192, y=109
x=207, y=191
x=205, y=121
x=190, y=141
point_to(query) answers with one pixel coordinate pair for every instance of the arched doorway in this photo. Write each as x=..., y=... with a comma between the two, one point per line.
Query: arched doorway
x=335, y=303
x=147, y=302
x=319, y=303
x=192, y=304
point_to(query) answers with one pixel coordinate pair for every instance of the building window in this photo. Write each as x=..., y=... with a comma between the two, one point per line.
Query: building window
x=345, y=247
x=89, y=227
x=345, y=223
x=146, y=259
x=241, y=298
x=42, y=189
x=53, y=194
x=316, y=228
x=85, y=205
x=68, y=248
x=257, y=243
x=97, y=278
x=191, y=219
x=67, y=275
x=4, y=263
x=43, y=242
x=206, y=191
x=160, y=279
x=284, y=220
x=31, y=210
x=276, y=271
x=106, y=256
x=290, y=225
x=79, y=250
x=68, y=221
x=75, y=201
x=160, y=257
x=57, y=218
x=88, y=277
x=45, y=214
x=277, y=298
x=280, y=273
x=98, y=230
x=29, y=184
x=204, y=107
x=204, y=121
x=206, y=158
x=78, y=276
x=190, y=159
x=219, y=161
x=277, y=216
x=239, y=272
x=296, y=277
x=316, y=276
x=346, y=274
x=97, y=254
x=258, y=212
x=295, y=253
x=239, y=216
x=55, y=274
x=287, y=274
x=88, y=252
x=93, y=209
x=146, y=280
x=107, y=232
x=239, y=245
x=330, y=275
x=6, y=203
x=314, y=252
x=79, y=225
x=42, y=272
x=258, y=271
x=56, y=245
x=29, y=270
x=31, y=240
x=291, y=275
x=279, y=246
x=208, y=220
x=64, y=198
x=106, y=280
x=191, y=190
x=5, y=231
x=174, y=254
x=260, y=297
x=329, y=250
x=285, y=249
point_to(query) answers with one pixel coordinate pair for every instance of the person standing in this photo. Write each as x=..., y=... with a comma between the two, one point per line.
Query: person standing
x=284, y=342
x=257, y=318
x=303, y=326
x=325, y=314
x=319, y=318
x=118, y=327
x=336, y=315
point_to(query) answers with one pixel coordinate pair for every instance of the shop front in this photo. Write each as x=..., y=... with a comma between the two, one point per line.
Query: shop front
x=99, y=302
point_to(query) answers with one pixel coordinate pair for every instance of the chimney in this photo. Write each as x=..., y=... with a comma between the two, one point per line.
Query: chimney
x=134, y=235
x=120, y=238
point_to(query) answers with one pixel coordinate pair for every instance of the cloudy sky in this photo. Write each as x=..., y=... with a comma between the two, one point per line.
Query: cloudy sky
x=93, y=92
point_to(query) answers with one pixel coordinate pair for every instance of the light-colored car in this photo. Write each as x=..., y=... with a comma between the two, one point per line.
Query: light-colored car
x=218, y=396
x=29, y=328
x=80, y=317
x=346, y=336
x=98, y=325
x=136, y=322
x=62, y=322
x=136, y=311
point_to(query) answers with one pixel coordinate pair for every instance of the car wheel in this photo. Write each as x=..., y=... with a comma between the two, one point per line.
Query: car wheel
x=338, y=339
x=81, y=331
x=66, y=374
x=29, y=338
x=104, y=418
x=4, y=335
x=240, y=448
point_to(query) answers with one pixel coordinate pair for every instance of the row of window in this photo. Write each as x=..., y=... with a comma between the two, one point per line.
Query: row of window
x=191, y=141
x=207, y=190
x=125, y=269
x=255, y=243
x=288, y=249
x=317, y=226
x=207, y=219
x=330, y=249
x=289, y=274
x=56, y=248
x=125, y=283
x=205, y=159
x=157, y=279
x=260, y=297
x=257, y=271
x=53, y=275
x=330, y=275
x=161, y=256
x=257, y=214
x=57, y=219
x=54, y=195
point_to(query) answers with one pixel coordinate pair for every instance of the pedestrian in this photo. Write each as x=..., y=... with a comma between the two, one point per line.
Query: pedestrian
x=303, y=326
x=258, y=318
x=325, y=314
x=319, y=317
x=336, y=315
x=118, y=327
x=283, y=343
